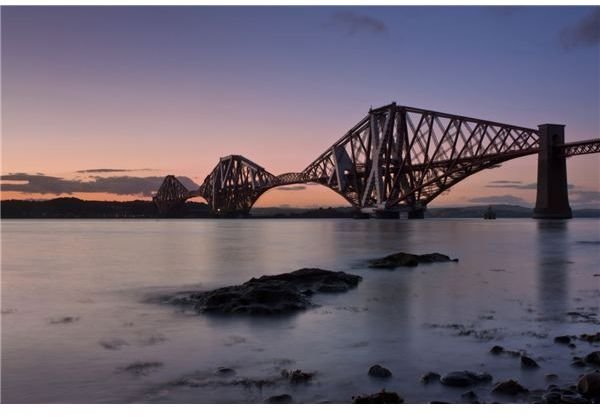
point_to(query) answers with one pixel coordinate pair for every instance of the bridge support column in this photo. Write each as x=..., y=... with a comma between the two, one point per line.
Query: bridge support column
x=416, y=213
x=552, y=200
x=169, y=208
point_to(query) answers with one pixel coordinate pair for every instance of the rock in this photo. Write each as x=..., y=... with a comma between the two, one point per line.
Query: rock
x=528, y=363
x=65, y=320
x=408, y=260
x=565, y=398
x=470, y=396
x=430, y=377
x=571, y=345
x=297, y=376
x=378, y=371
x=552, y=397
x=590, y=338
x=551, y=376
x=435, y=258
x=593, y=358
x=267, y=295
x=114, y=344
x=563, y=339
x=464, y=378
x=509, y=387
x=283, y=398
x=497, y=350
x=589, y=385
x=395, y=260
x=142, y=368
x=578, y=363
x=225, y=371
x=380, y=397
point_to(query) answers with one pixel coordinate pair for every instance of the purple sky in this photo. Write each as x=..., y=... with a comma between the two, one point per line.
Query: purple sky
x=171, y=89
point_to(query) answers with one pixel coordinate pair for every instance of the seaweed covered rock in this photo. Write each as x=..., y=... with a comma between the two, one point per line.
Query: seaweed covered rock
x=297, y=376
x=589, y=385
x=593, y=358
x=380, y=397
x=379, y=371
x=283, y=398
x=266, y=295
x=528, y=363
x=464, y=378
x=509, y=387
x=408, y=260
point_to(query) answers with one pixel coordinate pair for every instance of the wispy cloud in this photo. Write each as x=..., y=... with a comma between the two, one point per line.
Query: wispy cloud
x=291, y=188
x=352, y=23
x=585, y=33
x=506, y=199
x=112, y=170
x=585, y=198
x=507, y=184
x=121, y=185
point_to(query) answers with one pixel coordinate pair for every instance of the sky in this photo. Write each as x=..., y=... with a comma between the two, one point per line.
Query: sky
x=102, y=102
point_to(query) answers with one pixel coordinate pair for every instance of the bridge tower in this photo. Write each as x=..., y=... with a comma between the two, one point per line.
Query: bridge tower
x=552, y=200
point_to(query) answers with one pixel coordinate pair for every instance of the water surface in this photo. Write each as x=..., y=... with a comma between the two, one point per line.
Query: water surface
x=515, y=284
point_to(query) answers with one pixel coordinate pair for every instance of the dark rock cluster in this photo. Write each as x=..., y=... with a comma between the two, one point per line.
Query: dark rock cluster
x=464, y=378
x=408, y=260
x=379, y=371
x=269, y=295
x=379, y=397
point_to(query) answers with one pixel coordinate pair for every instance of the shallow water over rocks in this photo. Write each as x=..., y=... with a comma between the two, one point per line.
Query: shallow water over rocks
x=519, y=285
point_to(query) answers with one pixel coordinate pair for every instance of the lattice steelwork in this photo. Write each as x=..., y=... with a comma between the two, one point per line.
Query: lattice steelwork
x=170, y=194
x=235, y=184
x=582, y=147
x=395, y=156
x=406, y=156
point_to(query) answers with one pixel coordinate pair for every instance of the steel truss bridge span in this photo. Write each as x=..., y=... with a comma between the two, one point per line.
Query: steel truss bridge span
x=395, y=157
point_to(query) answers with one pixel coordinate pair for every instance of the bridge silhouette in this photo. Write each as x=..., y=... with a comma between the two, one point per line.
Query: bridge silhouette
x=397, y=158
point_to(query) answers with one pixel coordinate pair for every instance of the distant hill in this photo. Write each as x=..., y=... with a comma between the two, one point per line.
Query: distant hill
x=71, y=207
x=502, y=211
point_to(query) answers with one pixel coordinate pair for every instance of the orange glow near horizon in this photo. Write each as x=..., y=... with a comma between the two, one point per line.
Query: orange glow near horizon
x=222, y=81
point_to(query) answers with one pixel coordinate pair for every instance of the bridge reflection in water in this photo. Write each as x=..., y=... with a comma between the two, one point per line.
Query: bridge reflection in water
x=396, y=158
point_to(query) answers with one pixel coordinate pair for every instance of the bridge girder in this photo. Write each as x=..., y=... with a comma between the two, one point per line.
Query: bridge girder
x=395, y=156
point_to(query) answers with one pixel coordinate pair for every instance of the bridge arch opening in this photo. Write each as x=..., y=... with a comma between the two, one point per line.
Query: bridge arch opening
x=303, y=196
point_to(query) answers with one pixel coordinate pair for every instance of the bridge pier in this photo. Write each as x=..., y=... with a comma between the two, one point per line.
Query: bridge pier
x=552, y=201
x=416, y=213
x=168, y=208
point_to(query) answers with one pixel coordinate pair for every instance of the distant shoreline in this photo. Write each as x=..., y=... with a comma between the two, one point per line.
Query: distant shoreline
x=74, y=208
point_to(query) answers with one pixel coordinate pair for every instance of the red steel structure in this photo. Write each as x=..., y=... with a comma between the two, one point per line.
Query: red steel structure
x=396, y=157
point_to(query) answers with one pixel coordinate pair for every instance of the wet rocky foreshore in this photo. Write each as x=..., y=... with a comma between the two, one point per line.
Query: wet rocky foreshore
x=269, y=295
x=291, y=292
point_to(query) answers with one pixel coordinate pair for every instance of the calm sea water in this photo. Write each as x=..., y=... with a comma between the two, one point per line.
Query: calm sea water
x=515, y=284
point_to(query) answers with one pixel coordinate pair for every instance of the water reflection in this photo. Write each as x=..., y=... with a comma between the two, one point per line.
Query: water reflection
x=553, y=267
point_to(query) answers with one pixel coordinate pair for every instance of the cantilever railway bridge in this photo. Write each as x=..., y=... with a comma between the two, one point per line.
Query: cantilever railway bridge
x=397, y=158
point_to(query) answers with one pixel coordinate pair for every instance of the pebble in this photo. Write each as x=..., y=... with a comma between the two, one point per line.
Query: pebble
x=593, y=358
x=589, y=384
x=379, y=371
x=283, y=398
x=380, y=397
x=430, y=377
x=563, y=339
x=528, y=363
x=497, y=349
x=509, y=387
